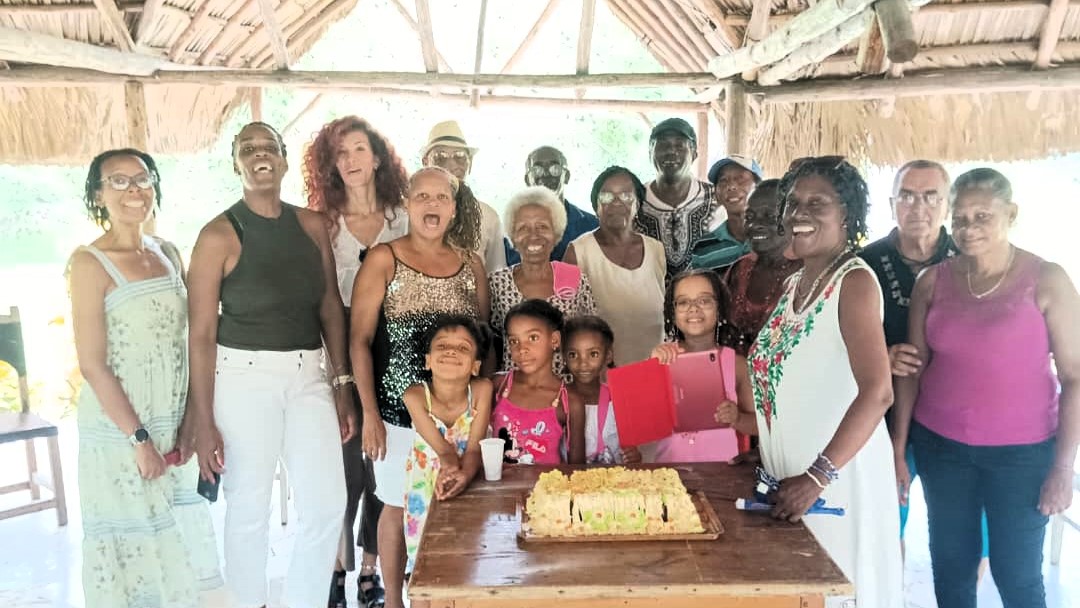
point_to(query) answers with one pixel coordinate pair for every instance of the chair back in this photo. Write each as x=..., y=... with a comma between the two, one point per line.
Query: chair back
x=13, y=353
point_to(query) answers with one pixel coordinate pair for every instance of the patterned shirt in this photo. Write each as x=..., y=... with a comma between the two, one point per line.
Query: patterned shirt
x=678, y=228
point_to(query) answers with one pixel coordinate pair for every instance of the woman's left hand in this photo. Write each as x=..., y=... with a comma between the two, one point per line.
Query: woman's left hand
x=1057, y=491
x=795, y=497
x=346, y=413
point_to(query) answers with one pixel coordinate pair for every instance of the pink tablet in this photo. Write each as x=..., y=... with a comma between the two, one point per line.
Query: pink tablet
x=698, y=383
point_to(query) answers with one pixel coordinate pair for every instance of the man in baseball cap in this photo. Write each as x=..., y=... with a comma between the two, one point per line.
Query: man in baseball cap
x=732, y=178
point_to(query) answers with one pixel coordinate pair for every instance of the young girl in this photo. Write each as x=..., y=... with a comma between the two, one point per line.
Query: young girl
x=588, y=349
x=534, y=411
x=450, y=415
x=694, y=305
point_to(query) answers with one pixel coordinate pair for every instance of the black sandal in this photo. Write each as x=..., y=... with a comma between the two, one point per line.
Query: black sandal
x=373, y=596
x=337, y=592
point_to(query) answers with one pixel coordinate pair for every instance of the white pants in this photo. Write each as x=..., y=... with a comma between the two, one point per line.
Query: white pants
x=267, y=405
x=390, y=471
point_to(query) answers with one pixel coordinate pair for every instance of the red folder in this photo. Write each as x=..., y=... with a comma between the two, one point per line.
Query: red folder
x=643, y=399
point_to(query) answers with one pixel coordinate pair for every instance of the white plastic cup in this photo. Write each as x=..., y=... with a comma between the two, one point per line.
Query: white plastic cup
x=491, y=452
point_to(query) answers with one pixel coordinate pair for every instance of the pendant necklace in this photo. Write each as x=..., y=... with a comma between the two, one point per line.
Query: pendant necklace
x=1005, y=273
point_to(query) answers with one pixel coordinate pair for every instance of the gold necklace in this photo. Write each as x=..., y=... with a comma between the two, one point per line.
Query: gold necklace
x=1008, y=265
x=814, y=285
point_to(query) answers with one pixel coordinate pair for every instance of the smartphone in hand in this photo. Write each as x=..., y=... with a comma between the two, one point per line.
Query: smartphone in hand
x=209, y=490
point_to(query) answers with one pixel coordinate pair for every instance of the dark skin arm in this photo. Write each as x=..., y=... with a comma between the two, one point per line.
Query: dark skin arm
x=367, y=298
x=489, y=366
x=860, y=326
x=332, y=315
x=575, y=453
x=470, y=462
x=570, y=256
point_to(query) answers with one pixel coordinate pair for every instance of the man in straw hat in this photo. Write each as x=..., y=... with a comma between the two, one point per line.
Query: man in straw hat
x=678, y=209
x=446, y=147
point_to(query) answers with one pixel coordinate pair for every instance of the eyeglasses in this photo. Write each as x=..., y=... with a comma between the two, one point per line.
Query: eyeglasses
x=442, y=156
x=606, y=198
x=700, y=303
x=930, y=199
x=554, y=170
x=123, y=182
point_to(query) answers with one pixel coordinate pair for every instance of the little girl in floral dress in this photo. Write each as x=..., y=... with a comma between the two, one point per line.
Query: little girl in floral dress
x=450, y=415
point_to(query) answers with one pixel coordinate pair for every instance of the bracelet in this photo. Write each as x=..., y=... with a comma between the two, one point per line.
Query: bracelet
x=340, y=381
x=816, y=481
x=826, y=467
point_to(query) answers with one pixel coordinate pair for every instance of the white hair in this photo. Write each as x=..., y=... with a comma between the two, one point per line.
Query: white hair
x=541, y=197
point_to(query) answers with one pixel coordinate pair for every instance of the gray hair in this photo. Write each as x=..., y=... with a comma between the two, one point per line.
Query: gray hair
x=541, y=197
x=918, y=164
x=983, y=178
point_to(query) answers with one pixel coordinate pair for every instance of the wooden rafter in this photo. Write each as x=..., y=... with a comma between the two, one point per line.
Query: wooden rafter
x=656, y=14
x=24, y=46
x=585, y=33
x=273, y=31
x=245, y=13
x=201, y=17
x=871, y=56
x=474, y=95
x=299, y=37
x=651, y=25
x=756, y=30
x=690, y=31
x=897, y=31
x=964, y=8
x=114, y=22
x=719, y=21
x=545, y=15
x=1051, y=32
x=150, y=13
x=245, y=54
x=444, y=65
x=664, y=54
x=427, y=36
x=818, y=49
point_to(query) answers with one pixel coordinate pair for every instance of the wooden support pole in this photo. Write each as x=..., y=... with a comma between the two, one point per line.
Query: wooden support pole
x=149, y=15
x=444, y=65
x=479, y=58
x=545, y=15
x=256, y=104
x=897, y=32
x=702, y=145
x=735, y=118
x=273, y=31
x=24, y=46
x=756, y=30
x=427, y=36
x=135, y=113
x=1051, y=32
x=114, y=23
x=585, y=32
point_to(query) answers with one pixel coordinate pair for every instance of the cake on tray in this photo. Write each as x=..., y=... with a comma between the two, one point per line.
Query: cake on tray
x=611, y=501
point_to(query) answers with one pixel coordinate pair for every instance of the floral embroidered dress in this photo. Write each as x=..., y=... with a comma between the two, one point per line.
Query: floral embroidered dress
x=422, y=469
x=803, y=386
x=146, y=544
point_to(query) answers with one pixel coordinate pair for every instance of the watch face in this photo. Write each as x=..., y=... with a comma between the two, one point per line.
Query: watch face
x=141, y=435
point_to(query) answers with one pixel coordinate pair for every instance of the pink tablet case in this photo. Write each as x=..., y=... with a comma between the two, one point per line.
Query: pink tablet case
x=700, y=381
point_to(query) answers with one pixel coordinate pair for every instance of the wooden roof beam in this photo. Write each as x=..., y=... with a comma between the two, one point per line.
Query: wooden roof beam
x=444, y=65
x=664, y=55
x=1051, y=32
x=897, y=32
x=24, y=46
x=275, y=34
x=756, y=29
x=479, y=58
x=720, y=22
x=818, y=49
x=585, y=33
x=246, y=11
x=427, y=36
x=114, y=22
x=150, y=13
x=871, y=57
x=201, y=16
x=332, y=11
x=545, y=15
x=964, y=8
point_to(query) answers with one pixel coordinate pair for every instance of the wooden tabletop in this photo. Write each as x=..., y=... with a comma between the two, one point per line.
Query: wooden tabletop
x=470, y=550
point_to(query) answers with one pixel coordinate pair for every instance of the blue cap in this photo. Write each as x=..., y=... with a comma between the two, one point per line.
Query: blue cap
x=745, y=162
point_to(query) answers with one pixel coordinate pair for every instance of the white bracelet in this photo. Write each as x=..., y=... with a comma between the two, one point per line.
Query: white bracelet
x=340, y=381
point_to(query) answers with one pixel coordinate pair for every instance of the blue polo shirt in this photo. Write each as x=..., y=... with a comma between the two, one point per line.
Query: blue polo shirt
x=578, y=222
x=718, y=250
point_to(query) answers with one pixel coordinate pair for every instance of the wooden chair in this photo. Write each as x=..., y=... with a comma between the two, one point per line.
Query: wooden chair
x=1057, y=526
x=26, y=427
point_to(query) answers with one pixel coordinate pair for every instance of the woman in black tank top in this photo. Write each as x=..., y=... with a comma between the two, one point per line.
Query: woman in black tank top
x=259, y=389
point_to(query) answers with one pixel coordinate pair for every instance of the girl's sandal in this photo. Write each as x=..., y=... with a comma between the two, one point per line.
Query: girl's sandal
x=369, y=591
x=338, y=598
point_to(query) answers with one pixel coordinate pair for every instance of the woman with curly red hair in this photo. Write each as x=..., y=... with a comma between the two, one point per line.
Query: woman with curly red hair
x=353, y=175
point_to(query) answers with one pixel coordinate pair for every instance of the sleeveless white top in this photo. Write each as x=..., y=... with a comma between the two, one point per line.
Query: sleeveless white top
x=347, y=249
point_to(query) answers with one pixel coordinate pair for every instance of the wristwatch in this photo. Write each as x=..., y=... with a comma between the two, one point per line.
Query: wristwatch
x=139, y=437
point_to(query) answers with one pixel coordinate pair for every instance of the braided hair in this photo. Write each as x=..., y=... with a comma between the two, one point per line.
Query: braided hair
x=850, y=188
x=98, y=213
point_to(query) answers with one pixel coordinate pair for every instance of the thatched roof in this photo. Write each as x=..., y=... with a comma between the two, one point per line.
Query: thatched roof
x=795, y=78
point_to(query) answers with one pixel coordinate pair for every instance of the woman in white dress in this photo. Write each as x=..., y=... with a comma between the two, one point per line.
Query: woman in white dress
x=821, y=380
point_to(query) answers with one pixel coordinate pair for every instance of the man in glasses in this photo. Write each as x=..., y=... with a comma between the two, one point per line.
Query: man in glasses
x=546, y=166
x=447, y=148
x=678, y=209
x=920, y=204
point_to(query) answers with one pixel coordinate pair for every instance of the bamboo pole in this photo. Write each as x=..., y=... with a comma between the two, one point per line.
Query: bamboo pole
x=273, y=31
x=756, y=30
x=189, y=32
x=444, y=65
x=989, y=8
x=114, y=22
x=479, y=57
x=897, y=31
x=817, y=50
x=244, y=13
x=735, y=119
x=657, y=16
x=427, y=36
x=648, y=25
x=146, y=21
x=690, y=30
x=702, y=145
x=712, y=11
x=24, y=46
x=585, y=32
x=1051, y=32
x=545, y=15
x=664, y=55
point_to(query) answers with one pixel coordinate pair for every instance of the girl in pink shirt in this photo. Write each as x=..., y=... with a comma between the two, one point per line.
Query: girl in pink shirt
x=533, y=410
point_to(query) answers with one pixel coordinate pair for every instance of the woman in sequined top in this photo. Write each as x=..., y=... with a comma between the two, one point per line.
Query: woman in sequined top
x=756, y=280
x=402, y=287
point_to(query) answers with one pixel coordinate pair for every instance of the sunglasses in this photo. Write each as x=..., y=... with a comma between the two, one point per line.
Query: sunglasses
x=606, y=198
x=123, y=182
x=553, y=170
x=442, y=156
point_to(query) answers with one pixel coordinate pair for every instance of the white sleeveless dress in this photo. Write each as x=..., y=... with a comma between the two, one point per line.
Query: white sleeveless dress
x=803, y=386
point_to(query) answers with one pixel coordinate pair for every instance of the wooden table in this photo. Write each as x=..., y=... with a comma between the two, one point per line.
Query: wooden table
x=470, y=557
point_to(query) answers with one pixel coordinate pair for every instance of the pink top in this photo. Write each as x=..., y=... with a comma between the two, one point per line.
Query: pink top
x=534, y=435
x=714, y=445
x=989, y=380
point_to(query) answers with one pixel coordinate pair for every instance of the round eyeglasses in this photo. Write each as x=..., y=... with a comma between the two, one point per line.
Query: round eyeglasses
x=123, y=182
x=553, y=170
x=606, y=198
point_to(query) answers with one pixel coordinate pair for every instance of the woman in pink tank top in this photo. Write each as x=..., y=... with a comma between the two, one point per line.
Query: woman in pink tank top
x=988, y=427
x=533, y=410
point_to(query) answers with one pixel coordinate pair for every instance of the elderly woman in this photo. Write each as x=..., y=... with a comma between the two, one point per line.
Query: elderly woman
x=263, y=303
x=756, y=280
x=625, y=268
x=402, y=288
x=355, y=178
x=535, y=220
x=821, y=381
x=990, y=430
x=148, y=539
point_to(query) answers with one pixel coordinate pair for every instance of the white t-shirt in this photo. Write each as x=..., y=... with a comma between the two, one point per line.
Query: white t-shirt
x=347, y=249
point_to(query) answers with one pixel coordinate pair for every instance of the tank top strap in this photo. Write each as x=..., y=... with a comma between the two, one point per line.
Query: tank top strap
x=427, y=396
x=506, y=385
x=470, y=407
x=110, y=268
